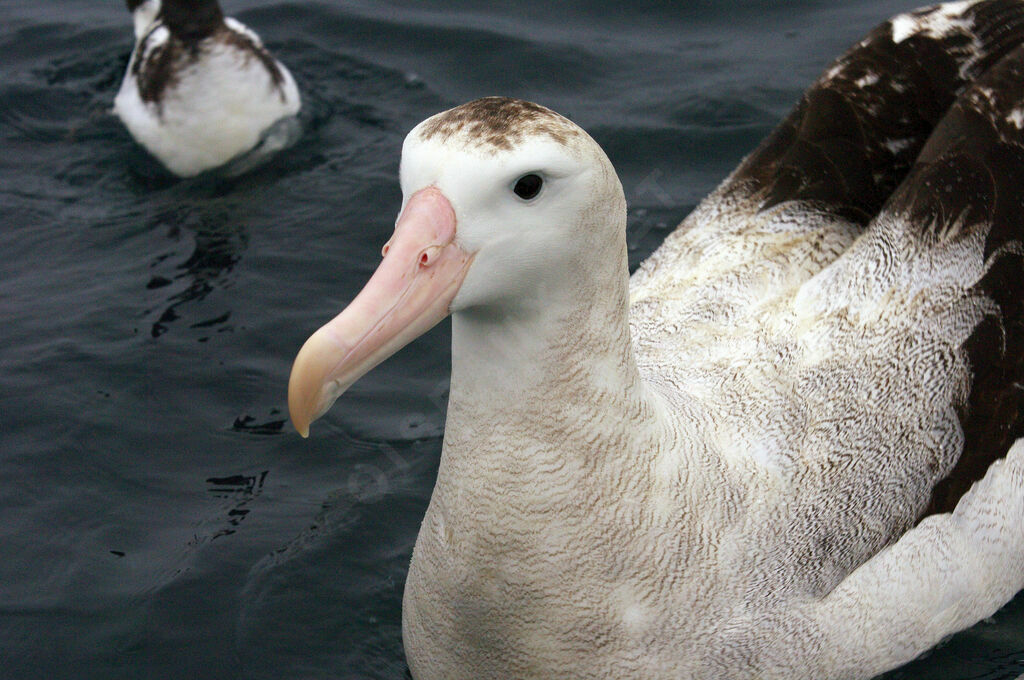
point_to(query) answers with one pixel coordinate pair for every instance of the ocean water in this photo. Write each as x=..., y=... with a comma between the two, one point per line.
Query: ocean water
x=159, y=518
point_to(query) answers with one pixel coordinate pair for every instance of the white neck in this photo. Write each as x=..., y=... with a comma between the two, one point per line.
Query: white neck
x=545, y=368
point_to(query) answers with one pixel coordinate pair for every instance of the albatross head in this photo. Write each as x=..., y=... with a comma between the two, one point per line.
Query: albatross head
x=144, y=13
x=505, y=205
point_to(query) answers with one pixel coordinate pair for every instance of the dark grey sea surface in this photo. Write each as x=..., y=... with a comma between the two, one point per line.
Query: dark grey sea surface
x=159, y=518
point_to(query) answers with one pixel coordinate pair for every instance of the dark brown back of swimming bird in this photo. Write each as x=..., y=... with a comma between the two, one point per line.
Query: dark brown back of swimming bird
x=191, y=20
x=193, y=24
x=857, y=131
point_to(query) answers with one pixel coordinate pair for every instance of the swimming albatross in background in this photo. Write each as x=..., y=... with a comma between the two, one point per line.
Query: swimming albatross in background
x=786, y=447
x=202, y=91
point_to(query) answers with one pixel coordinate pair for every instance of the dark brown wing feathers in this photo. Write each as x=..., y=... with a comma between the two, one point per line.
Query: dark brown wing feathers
x=857, y=131
x=970, y=177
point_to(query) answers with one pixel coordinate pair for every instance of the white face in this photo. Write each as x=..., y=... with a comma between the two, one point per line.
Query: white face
x=522, y=245
x=507, y=222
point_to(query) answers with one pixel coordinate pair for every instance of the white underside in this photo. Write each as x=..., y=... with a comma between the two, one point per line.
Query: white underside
x=218, y=109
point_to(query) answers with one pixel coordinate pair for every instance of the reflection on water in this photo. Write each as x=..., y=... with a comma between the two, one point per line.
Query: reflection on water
x=239, y=491
x=216, y=248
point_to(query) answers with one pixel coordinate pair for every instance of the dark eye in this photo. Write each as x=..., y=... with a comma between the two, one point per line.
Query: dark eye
x=528, y=186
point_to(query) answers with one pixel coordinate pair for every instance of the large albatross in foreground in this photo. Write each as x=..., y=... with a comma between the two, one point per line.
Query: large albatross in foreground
x=788, y=447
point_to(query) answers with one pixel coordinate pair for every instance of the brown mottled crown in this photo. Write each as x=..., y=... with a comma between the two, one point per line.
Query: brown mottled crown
x=498, y=123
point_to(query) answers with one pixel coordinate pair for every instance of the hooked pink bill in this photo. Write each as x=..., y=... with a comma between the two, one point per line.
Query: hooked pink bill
x=409, y=293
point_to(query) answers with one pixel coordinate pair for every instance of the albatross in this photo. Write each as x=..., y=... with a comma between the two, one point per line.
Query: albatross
x=201, y=91
x=789, y=446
